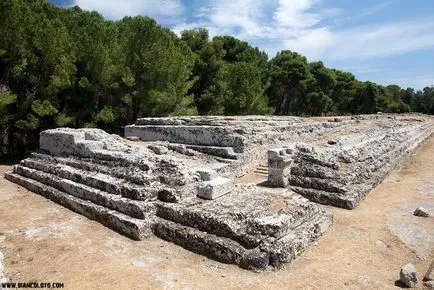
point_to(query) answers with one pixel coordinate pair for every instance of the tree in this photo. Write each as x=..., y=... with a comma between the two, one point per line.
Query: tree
x=69, y=67
x=244, y=95
x=288, y=76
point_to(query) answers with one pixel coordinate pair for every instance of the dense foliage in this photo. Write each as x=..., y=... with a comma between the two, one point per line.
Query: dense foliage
x=68, y=67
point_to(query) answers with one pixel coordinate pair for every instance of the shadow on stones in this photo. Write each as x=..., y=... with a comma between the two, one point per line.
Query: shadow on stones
x=12, y=159
x=399, y=284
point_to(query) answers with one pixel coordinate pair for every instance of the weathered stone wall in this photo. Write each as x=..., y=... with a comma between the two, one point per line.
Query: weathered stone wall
x=150, y=189
x=345, y=169
x=253, y=227
x=178, y=182
x=241, y=142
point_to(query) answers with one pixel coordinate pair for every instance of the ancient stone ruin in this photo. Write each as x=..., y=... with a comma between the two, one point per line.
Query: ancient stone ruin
x=344, y=168
x=186, y=179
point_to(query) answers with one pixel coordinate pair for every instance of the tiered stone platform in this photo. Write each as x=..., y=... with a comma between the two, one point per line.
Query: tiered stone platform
x=241, y=142
x=343, y=169
x=175, y=178
x=139, y=191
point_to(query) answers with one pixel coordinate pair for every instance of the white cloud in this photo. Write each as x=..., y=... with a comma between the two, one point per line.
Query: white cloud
x=299, y=25
x=242, y=16
x=375, y=41
x=305, y=26
x=117, y=9
x=374, y=9
x=313, y=43
x=296, y=14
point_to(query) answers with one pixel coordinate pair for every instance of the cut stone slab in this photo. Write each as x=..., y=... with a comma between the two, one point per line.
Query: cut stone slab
x=215, y=188
x=254, y=227
x=421, y=212
x=207, y=174
x=343, y=174
x=408, y=276
x=159, y=149
x=139, y=188
x=137, y=229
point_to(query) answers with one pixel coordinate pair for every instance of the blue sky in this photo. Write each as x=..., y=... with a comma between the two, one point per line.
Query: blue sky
x=388, y=42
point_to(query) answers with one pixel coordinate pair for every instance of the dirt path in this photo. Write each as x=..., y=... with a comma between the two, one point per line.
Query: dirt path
x=45, y=242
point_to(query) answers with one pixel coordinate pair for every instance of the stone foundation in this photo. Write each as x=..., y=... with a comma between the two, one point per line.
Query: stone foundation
x=240, y=142
x=177, y=182
x=342, y=170
x=149, y=189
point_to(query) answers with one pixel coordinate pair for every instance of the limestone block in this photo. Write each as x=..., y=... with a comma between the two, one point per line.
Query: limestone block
x=58, y=141
x=422, y=212
x=215, y=188
x=207, y=174
x=279, y=166
x=408, y=276
x=158, y=149
x=192, y=135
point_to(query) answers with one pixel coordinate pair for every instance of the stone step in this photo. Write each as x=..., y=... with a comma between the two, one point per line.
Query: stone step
x=191, y=135
x=285, y=249
x=261, y=170
x=224, y=152
x=96, y=180
x=218, y=248
x=137, y=229
x=273, y=251
x=259, y=219
x=205, y=222
x=133, y=208
x=262, y=174
x=138, y=176
x=347, y=186
x=215, y=188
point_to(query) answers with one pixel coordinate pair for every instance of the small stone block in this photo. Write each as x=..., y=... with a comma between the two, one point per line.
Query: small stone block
x=422, y=212
x=207, y=174
x=214, y=188
x=408, y=276
x=158, y=149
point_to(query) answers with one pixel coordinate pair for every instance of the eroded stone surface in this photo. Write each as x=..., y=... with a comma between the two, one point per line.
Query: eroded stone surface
x=342, y=172
x=422, y=212
x=408, y=276
x=257, y=226
x=2, y=277
x=177, y=182
x=214, y=188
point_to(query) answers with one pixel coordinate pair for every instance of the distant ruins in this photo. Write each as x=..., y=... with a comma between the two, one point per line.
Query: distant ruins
x=178, y=178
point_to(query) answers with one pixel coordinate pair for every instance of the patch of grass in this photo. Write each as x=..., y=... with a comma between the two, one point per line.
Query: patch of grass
x=19, y=249
x=30, y=259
